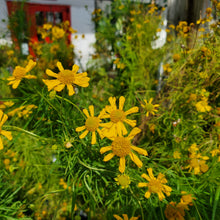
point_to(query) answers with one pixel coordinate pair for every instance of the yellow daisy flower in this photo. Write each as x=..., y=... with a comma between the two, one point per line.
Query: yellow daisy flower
x=117, y=116
x=66, y=78
x=155, y=185
x=121, y=147
x=7, y=134
x=92, y=124
x=125, y=217
x=123, y=180
x=19, y=73
x=149, y=107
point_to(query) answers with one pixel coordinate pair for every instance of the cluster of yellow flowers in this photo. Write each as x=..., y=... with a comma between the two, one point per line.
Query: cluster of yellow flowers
x=177, y=211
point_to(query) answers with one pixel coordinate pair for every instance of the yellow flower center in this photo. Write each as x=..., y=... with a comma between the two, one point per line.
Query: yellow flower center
x=121, y=146
x=19, y=72
x=92, y=123
x=155, y=186
x=124, y=180
x=149, y=107
x=66, y=77
x=117, y=115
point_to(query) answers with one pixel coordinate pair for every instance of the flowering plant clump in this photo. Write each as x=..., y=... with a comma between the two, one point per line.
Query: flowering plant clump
x=117, y=141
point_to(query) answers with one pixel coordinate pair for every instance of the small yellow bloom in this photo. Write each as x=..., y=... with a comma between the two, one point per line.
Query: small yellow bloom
x=92, y=124
x=118, y=117
x=176, y=57
x=187, y=199
x=176, y=155
x=123, y=180
x=167, y=68
x=202, y=106
x=149, y=107
x=197, y=163
x=125, y=217
x=19, y=73
x=174, y=212
x=155, y=185
x=7, y=134
x=122, y=147
x=66, y=78
x=47, y=26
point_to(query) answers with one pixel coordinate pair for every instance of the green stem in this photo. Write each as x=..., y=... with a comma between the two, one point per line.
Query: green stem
x=142, y=212
x=24, y=131
x=67, y=100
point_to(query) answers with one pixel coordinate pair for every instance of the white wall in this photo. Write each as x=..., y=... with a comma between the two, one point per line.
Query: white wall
x=4, y=33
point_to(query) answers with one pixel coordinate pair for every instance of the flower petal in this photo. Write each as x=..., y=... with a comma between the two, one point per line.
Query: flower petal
x=70, y=89
x=1, y=144
x=59, y=88
x=117, y=217
x=125, y=216
x=145, y=176
x=132, y=110
x=30, y=77
x=80, y=128
x=31, y=64
x=3, y=119
x=121, y=102
x=135, y=159
x=83, y=134
x=140, y=150
x=16, y=84
x=85, y=111
x=134, y=132
x=75, y=68
x=51, y=83
x=93, y=138
x=132, y=123
x=142, y=184
x=108, y=157
x=147, y=194
x=51, y=73
x=7, y=134
x=105, y=149
x=112, y=101
x=122, y=164
x=150, y=172
x=91, y=109
x=60, y=66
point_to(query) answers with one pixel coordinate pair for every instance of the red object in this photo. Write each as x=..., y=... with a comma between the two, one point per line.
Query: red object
x=39, y=14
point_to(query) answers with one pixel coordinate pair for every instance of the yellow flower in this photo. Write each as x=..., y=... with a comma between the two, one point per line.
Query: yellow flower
x=66, y=78
x=123, y=180
x=117, y=116
x=47, y=26
x=167, y=68
x=186, y=199
x=7, y=134
x=92, y=124
x=176, y=155
x=197, y=163
x=121, y=147
x=193, y=148
x=19, y=73
x=57, y=32
x=125, y=217
x=155, y=185
x=149, y=107
x=176, y=57
x=202, y=106
x=174, y=212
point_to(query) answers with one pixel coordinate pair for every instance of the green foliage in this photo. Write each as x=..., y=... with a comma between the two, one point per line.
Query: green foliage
x=53, y=169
